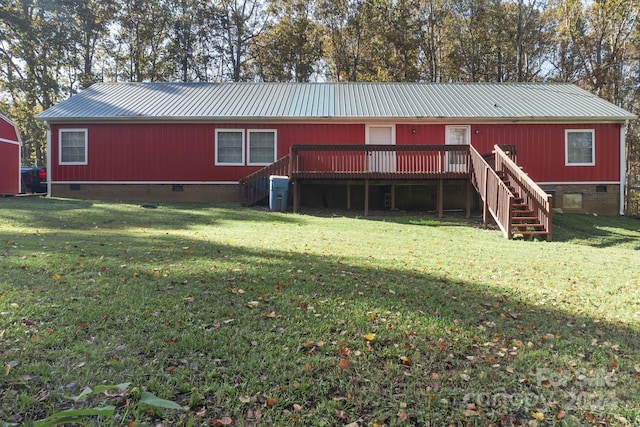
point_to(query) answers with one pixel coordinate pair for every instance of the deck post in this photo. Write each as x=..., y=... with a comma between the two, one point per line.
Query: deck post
x=296, y=196
x=366, y=197
x=468, y=198
x=349, y=195
x=393, y=196
x=440, y=198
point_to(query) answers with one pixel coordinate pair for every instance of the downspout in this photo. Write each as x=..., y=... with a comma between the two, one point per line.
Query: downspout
x=623, y=164
x=46, y=125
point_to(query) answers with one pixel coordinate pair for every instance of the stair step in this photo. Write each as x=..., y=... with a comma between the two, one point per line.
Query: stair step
x=524, y=218
x=532, y=233
x=526, y=225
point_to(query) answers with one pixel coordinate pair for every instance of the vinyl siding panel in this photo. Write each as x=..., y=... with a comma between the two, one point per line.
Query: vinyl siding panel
x=9, y=157
x=185, y=152
x=179, y=152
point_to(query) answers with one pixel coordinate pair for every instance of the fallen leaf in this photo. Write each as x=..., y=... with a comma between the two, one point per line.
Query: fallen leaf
x=405, y=361
x=561, y=415
x=202, y=412
x=271, y=401
x=370, y=336
x=402, y=415
x=297, y=407
x=538, y=415
x=344, y=364
x=340, y=414
x=245, y=399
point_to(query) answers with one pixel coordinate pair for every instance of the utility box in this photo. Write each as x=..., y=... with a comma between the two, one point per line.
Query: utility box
x=278, y=193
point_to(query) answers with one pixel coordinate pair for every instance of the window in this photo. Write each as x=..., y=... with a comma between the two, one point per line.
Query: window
x=262, y=147
x=229, y=147
x=572, y=201
x=73, y=147
x=579, y=148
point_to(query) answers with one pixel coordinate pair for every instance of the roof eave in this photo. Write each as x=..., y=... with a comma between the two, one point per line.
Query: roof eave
x=334, y=119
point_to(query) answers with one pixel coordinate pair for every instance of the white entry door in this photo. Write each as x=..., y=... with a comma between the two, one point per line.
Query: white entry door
x=457, y=135
x=381, y=161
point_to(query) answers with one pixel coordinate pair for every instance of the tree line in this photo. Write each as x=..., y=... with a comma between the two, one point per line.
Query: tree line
x=50, y=49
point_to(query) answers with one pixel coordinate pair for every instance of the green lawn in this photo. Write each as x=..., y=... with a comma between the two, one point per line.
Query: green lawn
x=248, y=318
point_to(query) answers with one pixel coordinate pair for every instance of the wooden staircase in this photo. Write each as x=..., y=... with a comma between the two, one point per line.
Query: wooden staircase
x=524, y=220
x=516, y=203
x=255, y=187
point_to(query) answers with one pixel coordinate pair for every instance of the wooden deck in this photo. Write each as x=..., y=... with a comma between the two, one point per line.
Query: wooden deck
x=515, y=202
x=379, y=162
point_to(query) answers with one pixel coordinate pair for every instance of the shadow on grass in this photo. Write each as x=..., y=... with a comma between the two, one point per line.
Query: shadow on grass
x=56, y=212
x=597, y=231
x=419, y=218
x=471, y=316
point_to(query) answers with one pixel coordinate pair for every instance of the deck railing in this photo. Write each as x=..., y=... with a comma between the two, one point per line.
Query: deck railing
x=536, y=199
x=255, y=187
x=496, y=197
x=379, y=161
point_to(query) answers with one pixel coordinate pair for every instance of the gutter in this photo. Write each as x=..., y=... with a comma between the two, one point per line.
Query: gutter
x=623, y=164
x=331, y=119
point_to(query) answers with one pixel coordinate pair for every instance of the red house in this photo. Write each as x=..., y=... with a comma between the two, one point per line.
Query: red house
x=10, y=145
x=360, y=145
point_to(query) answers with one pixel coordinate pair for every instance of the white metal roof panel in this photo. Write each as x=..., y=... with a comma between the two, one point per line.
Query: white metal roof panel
x=316, y=101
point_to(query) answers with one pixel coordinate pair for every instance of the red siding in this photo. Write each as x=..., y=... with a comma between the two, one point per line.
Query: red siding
x=541, y=150
x=178, y=152
x=540, y=147
x=9, y=158
x=185, y=152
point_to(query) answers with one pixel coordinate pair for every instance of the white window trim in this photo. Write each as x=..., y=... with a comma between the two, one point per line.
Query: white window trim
x=381, y=125
x=275, y=146
x=225, y=130
x=566, y=147
x=86, y=146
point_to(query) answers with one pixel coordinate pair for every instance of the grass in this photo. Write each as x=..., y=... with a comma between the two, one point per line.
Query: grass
x=250, y=318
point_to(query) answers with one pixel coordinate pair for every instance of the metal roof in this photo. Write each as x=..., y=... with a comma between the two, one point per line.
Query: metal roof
x=337, y=101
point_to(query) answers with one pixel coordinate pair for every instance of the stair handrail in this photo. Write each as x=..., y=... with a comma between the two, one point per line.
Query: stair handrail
x=539, y=201
x=496, y=197
x=259, y=181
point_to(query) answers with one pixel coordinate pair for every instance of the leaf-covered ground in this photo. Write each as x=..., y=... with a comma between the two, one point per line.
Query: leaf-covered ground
x=249, y=318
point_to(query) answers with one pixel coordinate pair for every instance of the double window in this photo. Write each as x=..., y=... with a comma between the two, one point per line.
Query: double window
x=580, y=147
x=237, y=147
x=73, y=147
